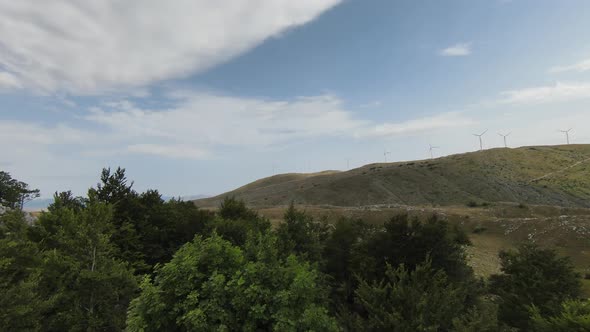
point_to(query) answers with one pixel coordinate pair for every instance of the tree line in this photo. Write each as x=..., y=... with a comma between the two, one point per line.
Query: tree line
x=120, y=260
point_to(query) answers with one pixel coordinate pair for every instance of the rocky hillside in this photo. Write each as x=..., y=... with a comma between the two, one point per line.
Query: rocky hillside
x=549, y=175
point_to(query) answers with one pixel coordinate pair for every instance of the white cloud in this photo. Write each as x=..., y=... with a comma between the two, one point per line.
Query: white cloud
x=19, y=133
x=168, y=151
x=440, y=121
x=461, y=49
x=560, y=92
x=203, y=119
x=100, y=46
x=372, y=104
x=197, y=126
x=581, y=66
x=8, y=81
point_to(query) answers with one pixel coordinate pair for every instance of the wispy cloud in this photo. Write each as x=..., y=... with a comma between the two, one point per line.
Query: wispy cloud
x=204, y=120
x=581, y=66
x=207, y=120
x=93, y=47
x=177, y=151
x=440, y=121
x=560, y=92
x=461, y=49
x=9, y=81
x=372, y=104
x=197, y=124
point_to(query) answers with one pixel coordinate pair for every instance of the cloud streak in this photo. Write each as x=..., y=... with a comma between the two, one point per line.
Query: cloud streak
x=168, y=151
x=197, y=124
x=440, y=121
x=96, y=47
x=204, y=121
x=461, y=49
x=560, y=92
x=580, y=67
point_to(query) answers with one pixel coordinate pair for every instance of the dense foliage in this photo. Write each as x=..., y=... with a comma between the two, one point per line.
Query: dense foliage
x=211, y=284
x=533, y=277
x=574, y=315
x=118, y=259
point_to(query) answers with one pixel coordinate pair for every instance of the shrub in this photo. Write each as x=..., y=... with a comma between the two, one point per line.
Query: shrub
x=533, y=277
x=574, y=316
x=479, y=229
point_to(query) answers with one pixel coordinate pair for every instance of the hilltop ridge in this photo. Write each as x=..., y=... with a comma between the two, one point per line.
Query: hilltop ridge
x=549, y=175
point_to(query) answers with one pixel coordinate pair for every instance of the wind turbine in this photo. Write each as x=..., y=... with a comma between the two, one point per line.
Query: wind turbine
x=480, y=140
x=432, y=148
x=504, y=136
x=567, y=134
x=385, y=153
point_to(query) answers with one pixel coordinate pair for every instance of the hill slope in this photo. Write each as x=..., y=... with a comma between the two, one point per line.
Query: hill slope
x=550, y=175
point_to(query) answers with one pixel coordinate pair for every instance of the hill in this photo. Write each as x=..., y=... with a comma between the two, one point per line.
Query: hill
x=544, y=175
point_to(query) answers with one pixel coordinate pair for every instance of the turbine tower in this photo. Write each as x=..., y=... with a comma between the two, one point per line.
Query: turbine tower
x=385, y=153
x=567, y=135
x=504, y=136
x=480, y=140
x=432, y=148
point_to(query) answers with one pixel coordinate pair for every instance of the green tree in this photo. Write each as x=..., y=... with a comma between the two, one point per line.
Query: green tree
x=82, y=287
x=148, y=230
x=532, y=276
x=66, y=199
x=481, y=318
x=234, y=209
x=357, y=252
x=19, y=271
x=408, y=241
x=302, y=235
x=574, y=317
x=338, y=252
x=212, y=285
x=410, y=301
x=235, y=221
x=13, y=193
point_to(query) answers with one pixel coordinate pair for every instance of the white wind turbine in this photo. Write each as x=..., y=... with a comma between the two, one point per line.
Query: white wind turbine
x=504, y=136
x=567, y=135
x=431, y=148
x=385, y=153
x=480, y=140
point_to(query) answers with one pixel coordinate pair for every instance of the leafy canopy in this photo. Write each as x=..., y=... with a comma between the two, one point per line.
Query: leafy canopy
x=211, y=284
x=532, y=276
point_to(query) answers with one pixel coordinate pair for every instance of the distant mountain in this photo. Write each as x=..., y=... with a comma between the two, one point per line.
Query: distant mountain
x=550, y=175
x=194, y=197
x=38, y=204
x=43, y=203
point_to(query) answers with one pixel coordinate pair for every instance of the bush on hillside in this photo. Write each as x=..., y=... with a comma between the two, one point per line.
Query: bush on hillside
x=532, y=276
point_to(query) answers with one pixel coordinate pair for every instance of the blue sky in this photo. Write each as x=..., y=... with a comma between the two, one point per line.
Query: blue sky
x=199, y=97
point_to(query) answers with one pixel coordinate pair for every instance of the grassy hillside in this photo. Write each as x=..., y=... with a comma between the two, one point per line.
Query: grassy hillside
x=547, y=175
